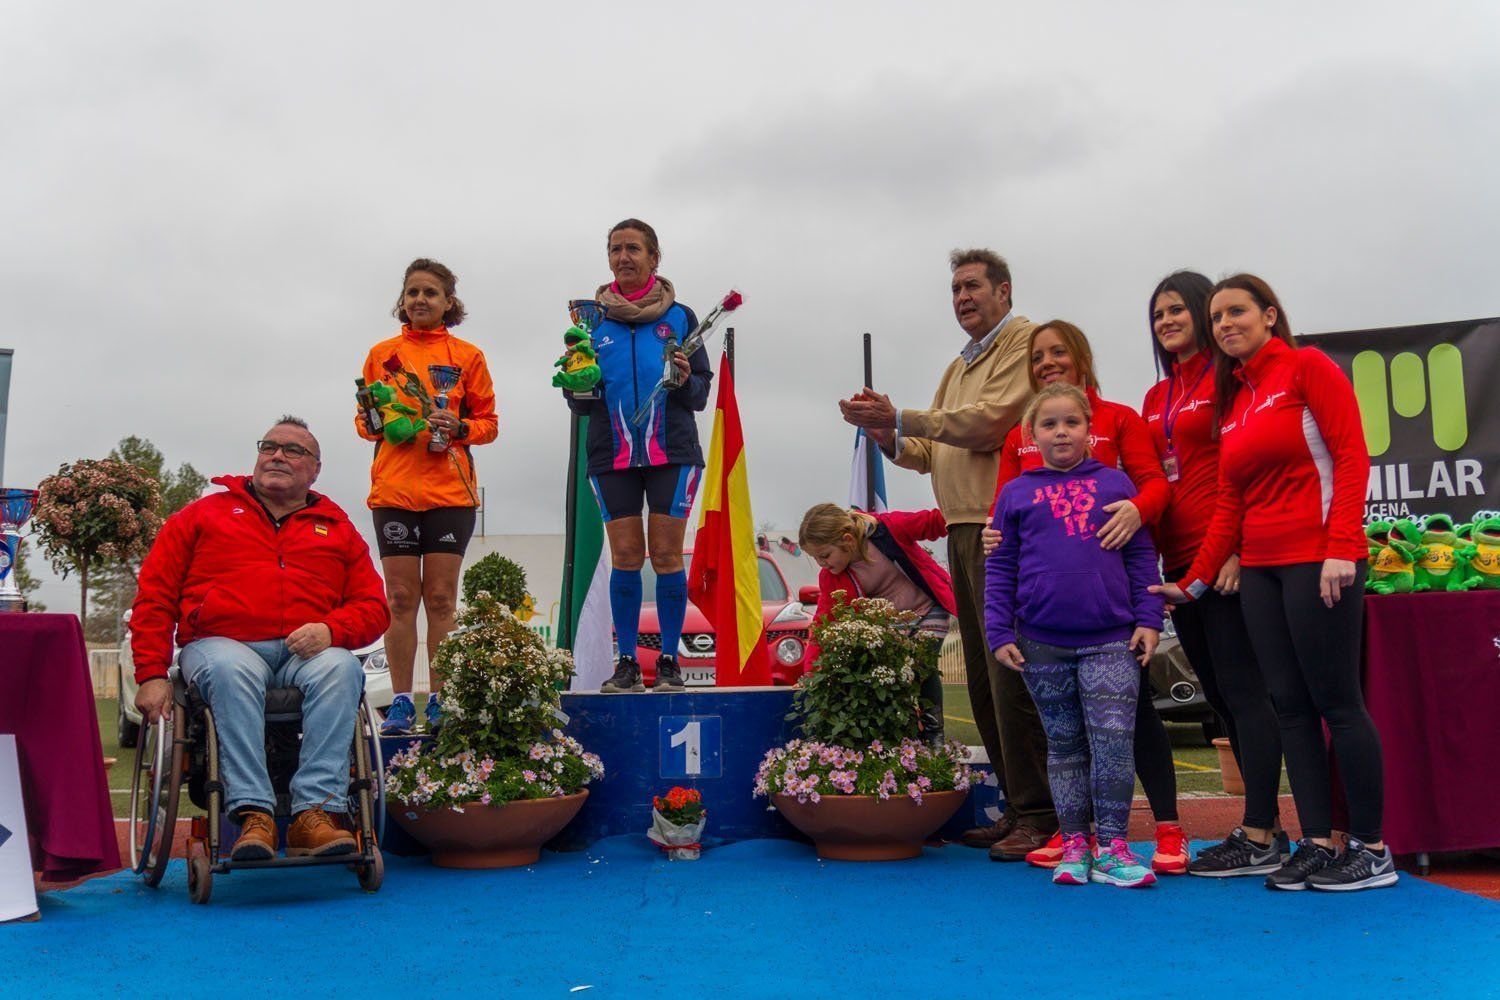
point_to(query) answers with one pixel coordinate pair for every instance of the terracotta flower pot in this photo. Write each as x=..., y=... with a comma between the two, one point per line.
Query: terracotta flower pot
x=1229, y=768
x=865, y=828
x=488, y=836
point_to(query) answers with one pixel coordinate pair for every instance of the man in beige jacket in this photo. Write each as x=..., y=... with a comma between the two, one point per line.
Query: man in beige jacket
x=980, y=397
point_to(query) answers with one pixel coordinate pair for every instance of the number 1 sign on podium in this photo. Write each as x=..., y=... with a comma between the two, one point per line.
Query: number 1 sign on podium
x=691, y=746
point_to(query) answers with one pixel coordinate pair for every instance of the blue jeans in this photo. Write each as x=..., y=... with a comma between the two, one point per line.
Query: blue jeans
x=233, y=678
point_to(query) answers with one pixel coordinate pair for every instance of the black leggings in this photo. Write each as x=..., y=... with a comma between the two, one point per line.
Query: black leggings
x=1310, y=657
x=1213, y=634
x=1153, y=758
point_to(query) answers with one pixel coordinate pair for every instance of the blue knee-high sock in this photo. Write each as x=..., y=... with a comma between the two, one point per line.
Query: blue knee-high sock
x=625, y=607
x=671, y=608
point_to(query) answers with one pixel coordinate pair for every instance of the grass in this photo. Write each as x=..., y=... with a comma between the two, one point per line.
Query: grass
x=119, y=775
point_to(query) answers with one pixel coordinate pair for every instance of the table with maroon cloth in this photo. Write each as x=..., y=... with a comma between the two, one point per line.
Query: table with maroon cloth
x=47, y=702
x=1432, y=683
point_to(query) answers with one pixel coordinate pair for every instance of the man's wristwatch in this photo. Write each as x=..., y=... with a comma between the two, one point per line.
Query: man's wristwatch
x=463, y=430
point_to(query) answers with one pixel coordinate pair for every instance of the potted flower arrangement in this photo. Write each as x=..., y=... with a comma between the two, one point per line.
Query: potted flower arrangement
x=677, y=822
x=499, y=779
x=860, y=782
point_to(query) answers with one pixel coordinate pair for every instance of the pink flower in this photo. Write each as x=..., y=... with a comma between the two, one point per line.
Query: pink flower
x=530, y=776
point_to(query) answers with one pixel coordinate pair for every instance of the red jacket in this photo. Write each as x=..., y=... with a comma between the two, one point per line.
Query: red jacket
x=1184, y=403
x=1293, y=467
x=1117, y=438
x=220, y=567
x=897, y=534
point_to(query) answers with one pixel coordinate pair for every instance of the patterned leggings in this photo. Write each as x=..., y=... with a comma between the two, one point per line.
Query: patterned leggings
x=1087, y=700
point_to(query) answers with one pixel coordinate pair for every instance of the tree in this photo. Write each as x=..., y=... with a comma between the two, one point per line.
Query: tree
x=93, y=514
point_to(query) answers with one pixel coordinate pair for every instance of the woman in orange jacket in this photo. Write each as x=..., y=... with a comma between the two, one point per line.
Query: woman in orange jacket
x=424, y=491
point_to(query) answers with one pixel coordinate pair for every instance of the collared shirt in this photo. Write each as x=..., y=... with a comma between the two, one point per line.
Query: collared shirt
x=971, y=352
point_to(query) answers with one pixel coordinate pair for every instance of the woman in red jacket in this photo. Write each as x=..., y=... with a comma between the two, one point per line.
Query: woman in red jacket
x=1179, y=412
x=1117, y=437
x=1293, y=471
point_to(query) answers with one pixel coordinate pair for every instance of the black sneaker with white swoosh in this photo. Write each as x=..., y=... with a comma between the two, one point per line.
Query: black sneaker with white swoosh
x=1309, y=859
x=1357, y=868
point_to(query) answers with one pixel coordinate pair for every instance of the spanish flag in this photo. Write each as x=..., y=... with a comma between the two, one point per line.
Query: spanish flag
x=724, y=578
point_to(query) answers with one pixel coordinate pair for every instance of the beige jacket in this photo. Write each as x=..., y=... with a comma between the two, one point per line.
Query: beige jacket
x=975, y=406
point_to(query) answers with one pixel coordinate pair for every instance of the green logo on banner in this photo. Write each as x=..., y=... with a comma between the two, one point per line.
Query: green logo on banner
x=1411, y=389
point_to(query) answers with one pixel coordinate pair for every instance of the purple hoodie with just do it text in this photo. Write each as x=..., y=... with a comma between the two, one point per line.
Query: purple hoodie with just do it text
x=1050, y=580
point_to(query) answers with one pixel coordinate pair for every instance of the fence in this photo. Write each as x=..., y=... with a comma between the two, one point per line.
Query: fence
x=104, y=668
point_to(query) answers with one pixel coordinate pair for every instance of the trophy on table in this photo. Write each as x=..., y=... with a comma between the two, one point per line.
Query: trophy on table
x=578, y=368
x=15, y=507
x=444, y=378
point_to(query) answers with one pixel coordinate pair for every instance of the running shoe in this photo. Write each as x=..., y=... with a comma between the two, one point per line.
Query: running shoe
x=434, y=713
x=1074, y=860
x=1049, y=854
x=627, y=677
x=1171, y=856
x=1237, y=855
x=668, y=674
x=1116, y=865
x=1309, y=859
x=1358, y=867
x=400, y=717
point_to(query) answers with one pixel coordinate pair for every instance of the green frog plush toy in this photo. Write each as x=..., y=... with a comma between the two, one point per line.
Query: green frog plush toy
x=1377, y=532
x=579, y=363
x=1482, y=554
x=1436, y=568
x=1392, y=568
x=402, y=422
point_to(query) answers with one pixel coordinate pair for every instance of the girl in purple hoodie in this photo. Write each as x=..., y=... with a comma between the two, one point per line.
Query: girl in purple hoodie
x=1068, y=614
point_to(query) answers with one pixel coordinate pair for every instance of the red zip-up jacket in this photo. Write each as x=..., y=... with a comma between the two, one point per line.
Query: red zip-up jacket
x=906, y=529
x=1117, y=438
x=221, y=567
x=1293, y=467
x=1184, y=404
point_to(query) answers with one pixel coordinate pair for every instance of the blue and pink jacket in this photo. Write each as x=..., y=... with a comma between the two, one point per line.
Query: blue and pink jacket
x=1050, y=580
x=630, y=361
x=897, y=534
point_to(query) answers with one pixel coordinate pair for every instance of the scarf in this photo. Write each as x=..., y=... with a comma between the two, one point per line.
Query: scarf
x=651, y=306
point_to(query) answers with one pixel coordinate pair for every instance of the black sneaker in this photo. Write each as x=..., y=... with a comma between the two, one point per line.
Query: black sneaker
x=668, y=674
x=627, y=677
x=1236, y=855
x=1309, y=859
x=1357, y=868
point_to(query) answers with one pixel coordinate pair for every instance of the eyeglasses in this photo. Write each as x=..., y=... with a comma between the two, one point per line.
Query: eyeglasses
x=293, y=450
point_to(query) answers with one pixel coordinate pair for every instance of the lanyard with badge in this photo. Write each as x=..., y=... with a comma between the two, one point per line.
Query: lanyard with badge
x=1169, y=463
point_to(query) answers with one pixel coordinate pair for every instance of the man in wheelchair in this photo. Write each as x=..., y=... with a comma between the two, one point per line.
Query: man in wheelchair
x=265, y=585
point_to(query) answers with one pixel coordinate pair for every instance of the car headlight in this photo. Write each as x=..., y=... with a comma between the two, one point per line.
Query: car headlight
x=793, y=612
x=375, y=662
x=789, y=651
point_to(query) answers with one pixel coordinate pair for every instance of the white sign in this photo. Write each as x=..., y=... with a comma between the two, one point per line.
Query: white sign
x=17, y=892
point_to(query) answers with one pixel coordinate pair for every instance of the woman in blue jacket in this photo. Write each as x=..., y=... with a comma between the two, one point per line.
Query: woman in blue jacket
x=655, y=463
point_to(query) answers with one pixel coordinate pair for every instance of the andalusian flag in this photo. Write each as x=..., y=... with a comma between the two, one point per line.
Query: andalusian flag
x=724, y=578
x=584, y=625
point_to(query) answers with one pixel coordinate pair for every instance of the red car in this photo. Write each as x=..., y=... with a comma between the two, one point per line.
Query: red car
x=787, y=626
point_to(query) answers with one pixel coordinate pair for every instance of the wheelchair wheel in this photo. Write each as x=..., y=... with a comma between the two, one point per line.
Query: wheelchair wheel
x=372, y=873
x=369, y=732
x=154, y=788
x=200, y=873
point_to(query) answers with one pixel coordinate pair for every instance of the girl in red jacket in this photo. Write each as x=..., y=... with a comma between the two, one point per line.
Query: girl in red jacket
x=877, y=555
x=1179, y=412
x=1292, y=476
x=1117, y=437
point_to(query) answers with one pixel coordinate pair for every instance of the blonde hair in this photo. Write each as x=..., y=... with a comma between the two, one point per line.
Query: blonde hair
x=827, y=524
x=1057, y=390
x=1078, y=349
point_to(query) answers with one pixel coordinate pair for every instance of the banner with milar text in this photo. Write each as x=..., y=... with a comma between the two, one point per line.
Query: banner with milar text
x=1429, y=397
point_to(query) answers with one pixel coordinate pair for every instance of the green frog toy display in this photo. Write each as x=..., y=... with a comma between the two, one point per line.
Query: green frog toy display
x=402, y=422
x=579, y=363
x=1481, y=556
x=1437, y=569
x=1393, y=565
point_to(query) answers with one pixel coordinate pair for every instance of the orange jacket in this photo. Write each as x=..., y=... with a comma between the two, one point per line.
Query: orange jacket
x=409, y=476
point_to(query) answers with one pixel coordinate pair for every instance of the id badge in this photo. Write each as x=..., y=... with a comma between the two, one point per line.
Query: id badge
x=1169, y=466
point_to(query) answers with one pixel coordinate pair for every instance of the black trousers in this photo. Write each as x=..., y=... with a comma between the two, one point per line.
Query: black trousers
x=1213, y=634
x=1153, y=757
x=1310, y=657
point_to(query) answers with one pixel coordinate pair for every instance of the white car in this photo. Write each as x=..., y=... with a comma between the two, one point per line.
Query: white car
x=377, y=685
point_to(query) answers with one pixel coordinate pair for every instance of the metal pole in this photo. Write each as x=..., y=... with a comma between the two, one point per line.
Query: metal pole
x=729, y=349
x=565, y=605
x=870, y=457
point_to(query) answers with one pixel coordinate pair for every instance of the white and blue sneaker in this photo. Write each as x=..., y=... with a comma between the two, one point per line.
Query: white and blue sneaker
x=434, y=713
x=400, y=717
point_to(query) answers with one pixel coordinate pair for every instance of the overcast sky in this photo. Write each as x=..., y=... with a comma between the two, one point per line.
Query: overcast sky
x=206, y=209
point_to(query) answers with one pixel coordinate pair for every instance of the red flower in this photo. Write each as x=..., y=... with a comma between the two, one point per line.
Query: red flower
x=733, y=300
x=393, y=365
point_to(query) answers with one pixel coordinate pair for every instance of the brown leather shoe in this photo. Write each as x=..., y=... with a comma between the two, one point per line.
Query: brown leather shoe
x=257, y=839
x=987, y=836
x=1021, y=842
x=313, y=831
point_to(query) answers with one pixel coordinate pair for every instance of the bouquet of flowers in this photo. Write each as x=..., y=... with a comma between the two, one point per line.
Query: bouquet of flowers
x=677, y=822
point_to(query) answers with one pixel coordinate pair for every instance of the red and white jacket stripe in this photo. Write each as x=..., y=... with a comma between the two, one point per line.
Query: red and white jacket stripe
x=1293, y=467
x=1184, y=401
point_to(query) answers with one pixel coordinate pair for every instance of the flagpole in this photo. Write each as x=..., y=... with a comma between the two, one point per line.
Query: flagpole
x=870, y=457
x=729, y=349
x=565, y=636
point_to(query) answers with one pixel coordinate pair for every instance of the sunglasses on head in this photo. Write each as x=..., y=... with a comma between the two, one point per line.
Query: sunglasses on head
x=272, y=447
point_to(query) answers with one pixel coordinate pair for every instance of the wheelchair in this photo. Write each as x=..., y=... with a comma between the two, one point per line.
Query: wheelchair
x=183, y=749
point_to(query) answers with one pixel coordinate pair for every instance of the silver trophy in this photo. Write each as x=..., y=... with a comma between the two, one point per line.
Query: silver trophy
x=15, y=508
x=444, y=378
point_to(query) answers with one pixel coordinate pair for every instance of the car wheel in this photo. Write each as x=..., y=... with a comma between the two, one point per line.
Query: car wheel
x=1212, y=730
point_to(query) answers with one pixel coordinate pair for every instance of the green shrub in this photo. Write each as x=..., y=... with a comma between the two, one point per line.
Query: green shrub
x=502, y=578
